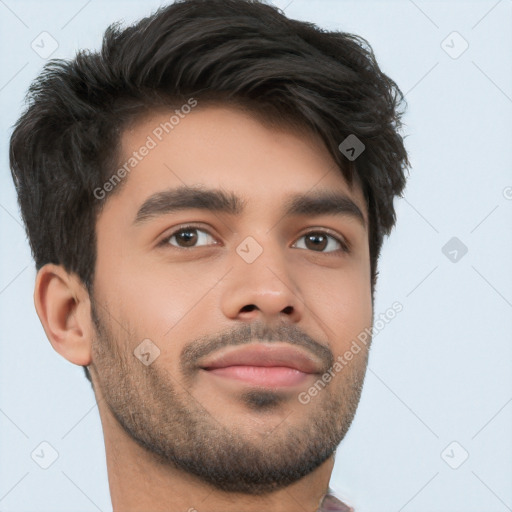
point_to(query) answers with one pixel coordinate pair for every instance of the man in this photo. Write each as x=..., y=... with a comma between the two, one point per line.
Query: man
x=206, y=200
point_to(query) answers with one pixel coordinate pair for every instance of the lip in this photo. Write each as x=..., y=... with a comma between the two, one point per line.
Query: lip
x=261, y=376
x=257, y=354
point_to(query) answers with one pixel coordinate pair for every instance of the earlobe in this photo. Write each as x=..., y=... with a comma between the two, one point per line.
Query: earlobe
x=63, y=306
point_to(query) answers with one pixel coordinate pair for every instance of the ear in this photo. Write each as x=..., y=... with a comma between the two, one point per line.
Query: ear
x=63, y=306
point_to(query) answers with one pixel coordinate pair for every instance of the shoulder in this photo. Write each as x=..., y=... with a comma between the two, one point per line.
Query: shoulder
x=332, y=504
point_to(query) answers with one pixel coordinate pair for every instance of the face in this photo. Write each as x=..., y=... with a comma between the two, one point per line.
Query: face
x=232, y=271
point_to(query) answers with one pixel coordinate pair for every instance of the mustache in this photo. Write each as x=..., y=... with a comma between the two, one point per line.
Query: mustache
x=257, y=331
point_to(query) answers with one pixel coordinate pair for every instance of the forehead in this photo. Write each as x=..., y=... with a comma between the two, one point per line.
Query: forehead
x=224, y=147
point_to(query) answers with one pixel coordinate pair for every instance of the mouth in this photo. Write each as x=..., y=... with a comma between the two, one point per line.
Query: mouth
x=262, y=376
x=276, y=365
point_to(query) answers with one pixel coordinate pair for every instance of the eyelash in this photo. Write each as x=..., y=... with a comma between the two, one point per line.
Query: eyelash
x=345, y=246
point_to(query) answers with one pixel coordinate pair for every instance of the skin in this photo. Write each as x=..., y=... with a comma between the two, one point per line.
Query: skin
x=165, y=422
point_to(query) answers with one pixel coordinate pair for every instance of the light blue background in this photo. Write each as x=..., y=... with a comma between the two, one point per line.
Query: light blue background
x=439, y=372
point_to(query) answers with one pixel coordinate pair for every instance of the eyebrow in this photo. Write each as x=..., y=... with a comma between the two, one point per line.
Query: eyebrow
x=220, y=201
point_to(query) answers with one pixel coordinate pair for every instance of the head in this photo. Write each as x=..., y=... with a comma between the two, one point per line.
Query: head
x=241, y=112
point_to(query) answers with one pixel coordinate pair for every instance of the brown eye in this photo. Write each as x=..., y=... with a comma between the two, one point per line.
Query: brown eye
x=187, y=237
x=318, y=241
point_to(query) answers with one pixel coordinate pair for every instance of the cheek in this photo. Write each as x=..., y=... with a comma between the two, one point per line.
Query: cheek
x=158, y=299
x=342, y=300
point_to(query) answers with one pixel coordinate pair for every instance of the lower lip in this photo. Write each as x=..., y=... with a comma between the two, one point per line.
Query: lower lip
x=266, y=376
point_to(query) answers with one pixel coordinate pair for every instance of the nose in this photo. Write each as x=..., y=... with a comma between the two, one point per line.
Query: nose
x=264, y=288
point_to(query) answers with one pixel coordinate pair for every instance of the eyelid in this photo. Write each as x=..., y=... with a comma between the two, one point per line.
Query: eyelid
x=342, y=240
x=182, y=227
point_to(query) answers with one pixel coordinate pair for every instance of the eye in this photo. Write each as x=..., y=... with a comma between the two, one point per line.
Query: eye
x=191, y=236
x=319, y=240
x=187, y=236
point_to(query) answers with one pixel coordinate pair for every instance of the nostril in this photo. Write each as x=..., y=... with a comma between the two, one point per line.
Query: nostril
x=250, y=307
